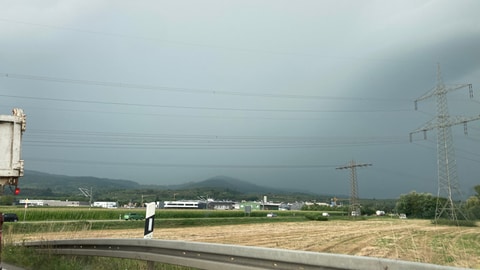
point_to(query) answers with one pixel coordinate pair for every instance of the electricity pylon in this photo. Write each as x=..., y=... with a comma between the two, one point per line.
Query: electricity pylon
x=354, y=209
x=448, y=186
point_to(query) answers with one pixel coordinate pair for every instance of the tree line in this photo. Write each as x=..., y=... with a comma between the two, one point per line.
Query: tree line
x=413, y=205
x=424, y=205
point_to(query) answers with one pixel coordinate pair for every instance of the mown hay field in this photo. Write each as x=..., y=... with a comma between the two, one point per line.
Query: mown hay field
x=410, y=240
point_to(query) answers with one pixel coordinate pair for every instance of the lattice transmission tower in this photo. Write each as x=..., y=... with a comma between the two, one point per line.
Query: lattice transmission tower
x=448, y=185
x=354, y=209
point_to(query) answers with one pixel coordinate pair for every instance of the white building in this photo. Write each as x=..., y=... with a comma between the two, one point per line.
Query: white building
x=57, y=203
x=105, y=204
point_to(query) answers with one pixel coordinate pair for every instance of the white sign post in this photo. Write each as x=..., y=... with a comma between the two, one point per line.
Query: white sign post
x=149, y=220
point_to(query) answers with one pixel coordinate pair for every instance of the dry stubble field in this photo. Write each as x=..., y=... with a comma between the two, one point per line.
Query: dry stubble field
x=411, y=240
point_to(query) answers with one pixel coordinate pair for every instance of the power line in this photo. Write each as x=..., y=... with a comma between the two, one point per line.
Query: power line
x=205, y=146
x=193, y=44
x=182, y=165
x=199, y=107
x=183, y=115
x=181, y=89
x=51, y=132
x=89, y=139
x=186, y=44
x=431, y=148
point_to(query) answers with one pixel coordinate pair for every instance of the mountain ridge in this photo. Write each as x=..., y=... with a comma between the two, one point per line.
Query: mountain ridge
x=67, y=184
x=221, y=181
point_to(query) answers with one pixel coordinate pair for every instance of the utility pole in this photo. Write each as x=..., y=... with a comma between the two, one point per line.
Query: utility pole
x=144, y=196
x=448, y=186
x=87, y=193
x=354, y=209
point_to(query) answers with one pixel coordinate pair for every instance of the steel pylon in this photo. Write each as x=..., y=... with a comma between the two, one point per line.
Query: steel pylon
x=354, y=209
x=448, y=184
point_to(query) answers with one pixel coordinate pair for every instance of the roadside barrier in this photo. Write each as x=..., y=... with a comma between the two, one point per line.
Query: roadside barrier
x=220, y=256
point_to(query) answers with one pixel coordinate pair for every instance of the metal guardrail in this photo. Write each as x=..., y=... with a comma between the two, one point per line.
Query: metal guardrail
x=220, y=256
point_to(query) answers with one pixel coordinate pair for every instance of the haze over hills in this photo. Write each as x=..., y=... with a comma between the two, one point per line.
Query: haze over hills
x=63, y=184
x=228, y=183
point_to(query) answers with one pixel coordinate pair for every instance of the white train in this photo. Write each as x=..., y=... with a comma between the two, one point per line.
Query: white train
x=184, y=205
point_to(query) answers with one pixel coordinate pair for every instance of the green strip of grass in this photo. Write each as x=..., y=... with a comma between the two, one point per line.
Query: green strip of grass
x=65, y=226
x=32, y=259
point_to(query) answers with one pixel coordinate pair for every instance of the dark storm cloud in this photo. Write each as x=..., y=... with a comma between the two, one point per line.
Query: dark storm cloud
x=261, y=91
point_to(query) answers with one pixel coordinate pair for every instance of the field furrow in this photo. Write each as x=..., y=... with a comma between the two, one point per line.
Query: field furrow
x=411, y=240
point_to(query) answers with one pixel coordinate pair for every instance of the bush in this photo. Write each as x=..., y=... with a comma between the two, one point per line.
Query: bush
x=451, y=222
x=473, y=212
x=316, y=217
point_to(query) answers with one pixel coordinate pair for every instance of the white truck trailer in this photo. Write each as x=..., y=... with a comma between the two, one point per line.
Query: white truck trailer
x=11, y=164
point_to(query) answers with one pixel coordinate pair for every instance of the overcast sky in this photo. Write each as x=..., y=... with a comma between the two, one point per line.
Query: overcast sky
x=277, y=93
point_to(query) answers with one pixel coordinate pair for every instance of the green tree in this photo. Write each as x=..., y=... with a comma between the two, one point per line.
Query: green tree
x=6, y=200
x=472, y=201
x=368, y=210
x=417, y=205
x=472, y=206
x=477, y=189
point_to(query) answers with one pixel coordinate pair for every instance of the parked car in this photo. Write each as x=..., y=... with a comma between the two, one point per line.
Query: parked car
x=271, y=215
x=133, y=216
x=10, y=217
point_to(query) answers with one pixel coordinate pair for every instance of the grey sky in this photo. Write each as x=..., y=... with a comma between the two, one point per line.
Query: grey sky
x=278, y=93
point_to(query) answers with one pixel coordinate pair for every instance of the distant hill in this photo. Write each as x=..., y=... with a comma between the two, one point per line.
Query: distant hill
x=68, y=184
x=36, y=184
x=63, y=184
x=226, y=182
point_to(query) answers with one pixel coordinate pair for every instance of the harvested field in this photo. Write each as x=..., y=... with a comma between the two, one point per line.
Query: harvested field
x=411, y=240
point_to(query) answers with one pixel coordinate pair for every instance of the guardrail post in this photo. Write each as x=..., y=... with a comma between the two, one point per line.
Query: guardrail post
x=150, y=265
x=149, y=220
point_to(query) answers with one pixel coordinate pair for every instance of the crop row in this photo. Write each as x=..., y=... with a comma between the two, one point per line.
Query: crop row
x=68, y=213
